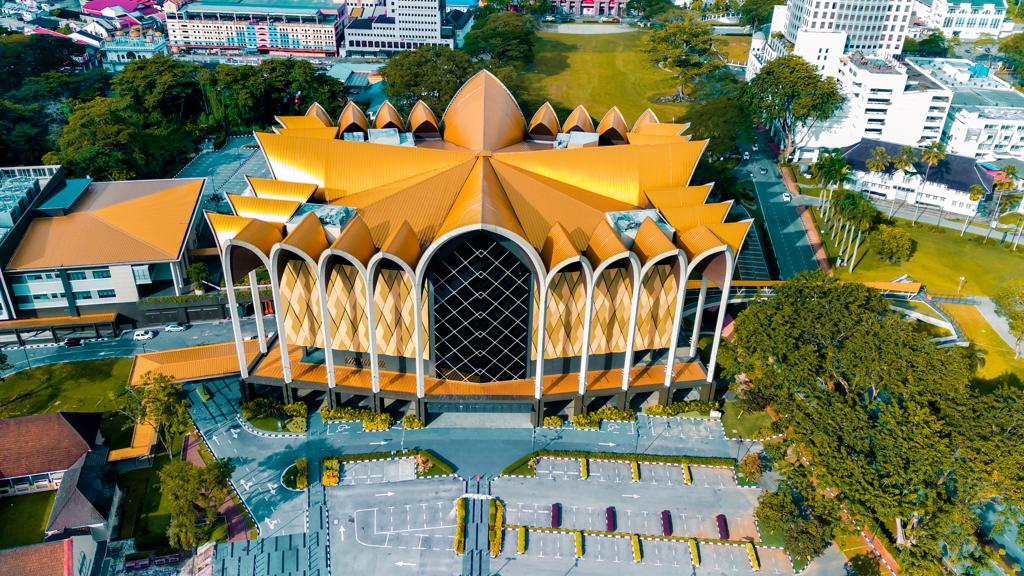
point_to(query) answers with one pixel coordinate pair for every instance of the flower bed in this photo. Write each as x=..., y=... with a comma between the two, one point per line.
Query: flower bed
x=497, y=527
x=584, y=469
x=635, y=469
x=694, y=553
x=553, y=422
x=428, y=464
x=411, y=422
x=372, y=421
x=460, y=526
x=752, y=552
x=521, y=548
x=296, y=477
x=592, y=420
x=520, y=466
x=579, y=543
x=697, y=407
x=332, y=472
x=687, y=476
x=637, y=552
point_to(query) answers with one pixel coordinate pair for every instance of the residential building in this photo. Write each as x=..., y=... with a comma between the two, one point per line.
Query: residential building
x=75, y=556
x=379, y=30
x=129, y=241
x=123, y=49
x=967, y=20
x=460, y=22
x=36, y=451
x=888, y=100
x=947, y=187
x=311, y=28
x=590, y=7
x=557, y=271
x=822, y=31
x=986, y=115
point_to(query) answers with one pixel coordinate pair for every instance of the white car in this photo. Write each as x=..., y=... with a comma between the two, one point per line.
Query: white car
x=746, y=155
x=754, y=147
x=174, y=327
x=787, y=196
x=143, y=335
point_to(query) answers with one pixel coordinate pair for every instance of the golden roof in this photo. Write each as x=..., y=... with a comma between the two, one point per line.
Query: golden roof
x=114, y=222
x=315, y=109
x=387, y=117
x=483, y=115
x=225, y=226
x=613, y=127
x=483, y=174
x=301, y=121
x=422, y=120
x=281, y=189
x=263, y=208
x=326, y=132
x=307, y=237
x=544, y=124
x=352, y=119
x=578, y=121
x=648, y=117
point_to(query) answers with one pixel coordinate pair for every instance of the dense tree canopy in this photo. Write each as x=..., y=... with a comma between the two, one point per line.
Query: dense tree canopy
x=882, y=419
x=686, y=45
x=1012, y=50
x=790, y=94
x=757, y=12
x=429, y=73
x=933, y=45
x=718, y=113
x=196, y=491
x=503, y=39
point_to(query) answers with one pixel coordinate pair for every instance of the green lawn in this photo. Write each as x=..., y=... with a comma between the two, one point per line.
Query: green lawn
x=739, y=424
x=71, y=386
x=997, y=356
x=147, y=511
x=939, y=259
x=269, y=423
x=598, y=71
x=735, y=48
x=23, y=518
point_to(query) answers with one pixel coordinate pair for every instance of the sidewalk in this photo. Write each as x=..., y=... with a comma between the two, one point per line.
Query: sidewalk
x=987, y=308
x=815, y=239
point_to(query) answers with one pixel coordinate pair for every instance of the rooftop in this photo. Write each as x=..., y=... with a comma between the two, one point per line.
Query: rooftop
x=46, y=559
x=287, y=7
x=955, y=172
x=974, y=87
x=45, y=442
x=113, y=223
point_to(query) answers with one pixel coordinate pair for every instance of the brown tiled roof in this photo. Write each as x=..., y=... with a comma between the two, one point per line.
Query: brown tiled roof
x=114, y=222
x=194, y=363
x=45, y=442
x=46, y=559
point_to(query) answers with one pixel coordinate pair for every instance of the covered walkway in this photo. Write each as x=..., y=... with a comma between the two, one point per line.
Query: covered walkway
x=195, y=363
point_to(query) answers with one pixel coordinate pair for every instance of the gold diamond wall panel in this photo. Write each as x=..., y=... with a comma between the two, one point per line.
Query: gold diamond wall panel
x=425, y=315
x=610, y=323
x=656, y=307
x=535, y=310
x=394, y=313
x=300, y=300
x=346, y=307
x=567, y=301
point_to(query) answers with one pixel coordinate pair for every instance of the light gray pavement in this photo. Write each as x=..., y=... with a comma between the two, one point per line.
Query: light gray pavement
x=998, y=323
x=226, y=169
x=407, y=529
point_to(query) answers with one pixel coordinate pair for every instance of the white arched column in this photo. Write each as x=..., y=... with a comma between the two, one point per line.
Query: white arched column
x=277, y=259
x=261, y=330
x=680, y=258
x=698, y=316
x=634, y=265
x=417, y=305
x=230, y=246
x=724, y=302
x=542, y=333
x=323, y=275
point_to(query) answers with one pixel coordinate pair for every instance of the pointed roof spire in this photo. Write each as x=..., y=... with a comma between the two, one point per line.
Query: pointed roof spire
x=648, y=117
x=544, y=124
x=482, y=200
x=352, y=119
x=387, y=117
x=579, y=120
x=558, y=247
x=422, y=120
x=612, y=129
x=402, y=244
x=315, y=109
x=484, y=115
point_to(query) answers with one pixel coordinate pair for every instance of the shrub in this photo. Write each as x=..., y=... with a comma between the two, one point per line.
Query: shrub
x=518, y=466
x=521, y=549
x=331, y=478
x=423, y=464
x=635, y=468
x=261, y=408
x=411, y=422
x=592, y=420
x=371, y=420
x=497, y=526
x=301, y=473
x=460, y=526
x=677, y=408
x=378, y=421
x=296, y=410
x=687, y=476
x=296, y=424
x=584, y=469
x=637, y=553
x=579, y=544
x=752, y=552
x=553, y=422
x=751, y=467
x=694, y=553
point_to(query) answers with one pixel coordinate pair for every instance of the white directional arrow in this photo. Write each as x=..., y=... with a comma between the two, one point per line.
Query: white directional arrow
x=606, y=443
x=634, y=496
x=401, y=563
x=385, y=494
x=380, y=443
x=342, y=530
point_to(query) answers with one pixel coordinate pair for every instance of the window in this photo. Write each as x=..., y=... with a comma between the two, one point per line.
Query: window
x=105, y=294
x=86, y=295
x=76, y=276
x=101, y=274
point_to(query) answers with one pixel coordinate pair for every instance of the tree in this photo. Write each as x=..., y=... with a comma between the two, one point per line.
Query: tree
x=892, y=244
x=750, y=466
x=790, y=94
x=196, y=490
x=1007, y=181
x=933, y=45
x=717, y=114
x=757, y=12
x=429, y=73
x=687, y=45
x=904, y=161
x=1010, y=302
x=1012, y=50
x=165, y=409
x=862, y=220
x=162, y=88
x=806, y=528
x=197, y=274
x=931, y=155
x=649, y=9
x=503, y=39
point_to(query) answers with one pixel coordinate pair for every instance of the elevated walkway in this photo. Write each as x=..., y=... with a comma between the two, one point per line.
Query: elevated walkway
x=195, y=363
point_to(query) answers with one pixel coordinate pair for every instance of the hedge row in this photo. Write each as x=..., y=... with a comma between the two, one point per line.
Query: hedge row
x=640, y=458
x=678, y=408
x=438, y=467
x=496, y=523
x=460, y=526
x=637, y=553
x=372, y=421
x=592, y=420
x=521, y=530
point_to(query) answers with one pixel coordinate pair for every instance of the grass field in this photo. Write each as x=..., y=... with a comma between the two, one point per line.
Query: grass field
x=598, y=71
x=997, y=354
x=147, y=511
x=939, y=259
x=735, y=48
x=23, y=518
x=739, y=424
x=71, y=386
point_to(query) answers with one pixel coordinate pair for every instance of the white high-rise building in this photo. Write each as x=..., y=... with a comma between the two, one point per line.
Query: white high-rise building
x=821, y=31
x=966, y=19
x=381, y=28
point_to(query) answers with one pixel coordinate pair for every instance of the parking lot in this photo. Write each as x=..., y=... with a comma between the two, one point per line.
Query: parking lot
x=377, y=471
x=638, y=505
x=398, y=527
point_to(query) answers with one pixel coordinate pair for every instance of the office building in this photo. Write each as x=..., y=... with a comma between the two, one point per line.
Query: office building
x=965, y=20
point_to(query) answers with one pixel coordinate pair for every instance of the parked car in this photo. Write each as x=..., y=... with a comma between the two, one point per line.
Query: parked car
x=556, y=515
x=754, y=147
x=746, y=155
x=723, y=527
x=175, y=327
x=666, y=523
x=787, y=196
x=72, y=343
x=763, y=170
x=609, y=516
x=143, y=335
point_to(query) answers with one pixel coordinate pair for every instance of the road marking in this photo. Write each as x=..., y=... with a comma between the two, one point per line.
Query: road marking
x=342, y=530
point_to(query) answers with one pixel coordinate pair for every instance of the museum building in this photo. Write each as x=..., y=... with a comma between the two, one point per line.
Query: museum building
x=480, y=262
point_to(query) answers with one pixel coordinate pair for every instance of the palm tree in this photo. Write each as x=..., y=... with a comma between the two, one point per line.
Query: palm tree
x=977, y=192
x=1006, y=183
x=839, y=176
x=904, y=162
x=879, y=162
x=866, y=217
x=930, y=156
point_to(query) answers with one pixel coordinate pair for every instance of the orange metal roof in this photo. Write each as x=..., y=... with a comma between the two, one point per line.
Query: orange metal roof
x=113, y=222
x=323, y=133
x=484, y=115
x=558, y=247
x=281, y=189
x=661, y=129
x=301, y=121
x=544, y=122
x=263, y=208
x=387, y=117
x=103, y=318
x=315, y=109
x=422, y=119
x=613, y=125
x=648, y=117
x=195, y=363
x=355, y=240
x=352, y=118
x=579, y=120
x=604, y=243
x=482, y=200
x=403, y=245
x=678, y=195
x=650, y=241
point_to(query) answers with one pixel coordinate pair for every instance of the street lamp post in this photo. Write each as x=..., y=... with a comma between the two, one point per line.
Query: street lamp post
x=960, y=286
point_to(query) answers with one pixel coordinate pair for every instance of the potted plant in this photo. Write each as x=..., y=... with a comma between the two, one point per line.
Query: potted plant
x=197, y=273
